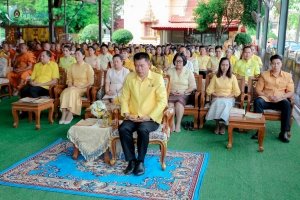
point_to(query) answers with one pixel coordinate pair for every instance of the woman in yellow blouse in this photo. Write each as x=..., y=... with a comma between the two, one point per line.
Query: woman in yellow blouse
x=80, y=76
x=159, y=60
x=223, y=87
x=92, y=59
x=183, y=83
x=66, y=61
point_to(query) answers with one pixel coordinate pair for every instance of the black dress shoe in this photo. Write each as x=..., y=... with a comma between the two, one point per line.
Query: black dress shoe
x=255, y=136
x=139, y=168
x=283, y=137
x=191, y=127
x=129, y=169
x=186, y=125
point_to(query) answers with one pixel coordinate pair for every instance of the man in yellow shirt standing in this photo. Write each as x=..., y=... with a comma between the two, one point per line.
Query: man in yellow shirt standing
x=143, y=100
x=126, y=61
x=273, y=89
x=246, y=66
x=203, y=59
x=213, y=63
x=255, y=57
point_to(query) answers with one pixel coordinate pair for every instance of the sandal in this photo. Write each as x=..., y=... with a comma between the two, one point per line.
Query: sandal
x=216, y=131
x=223, y=130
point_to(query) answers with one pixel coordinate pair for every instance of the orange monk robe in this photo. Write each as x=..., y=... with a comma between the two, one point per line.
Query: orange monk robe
x=12, y=53
x=53, y=57
x=86, y=52
x=21, y=63
x=57, y=54
x=37, y=53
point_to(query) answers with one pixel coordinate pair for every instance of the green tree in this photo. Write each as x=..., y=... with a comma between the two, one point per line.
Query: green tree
x=122, y=36
x=218, y=13
x=243, y=38
x=90, y=32
x=106, y=12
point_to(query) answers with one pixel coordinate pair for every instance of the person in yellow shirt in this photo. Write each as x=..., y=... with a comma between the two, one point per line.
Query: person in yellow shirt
x=45, y=74
x=231, y=57
x=203, y=59
x=142, y=48
x=148, y=51
x=213, y=63
x=105, y=57
x=255, y=57
x=273, y=89
x=127, y=63
x=67, y=60
x=143, y=99
x=223, y=87
x=246, y=66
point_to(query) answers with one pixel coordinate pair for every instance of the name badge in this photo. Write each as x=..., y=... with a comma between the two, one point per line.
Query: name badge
x=248, y=71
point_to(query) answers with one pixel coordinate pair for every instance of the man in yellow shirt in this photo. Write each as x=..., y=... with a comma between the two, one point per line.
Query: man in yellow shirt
x=213, y=63
x=45, y=74
x=255, y=57
x=273, y=89
x=143, y=100
x=129, y=64
x=246, y=66
x=203, y=59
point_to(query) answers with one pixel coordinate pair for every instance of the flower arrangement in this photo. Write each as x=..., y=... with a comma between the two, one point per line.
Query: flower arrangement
x=98, y=108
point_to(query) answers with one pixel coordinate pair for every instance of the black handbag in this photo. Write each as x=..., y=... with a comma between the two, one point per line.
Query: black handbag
x=191, y=99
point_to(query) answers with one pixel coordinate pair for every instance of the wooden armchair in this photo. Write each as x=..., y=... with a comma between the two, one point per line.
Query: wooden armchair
x=194, y=109
x=5, y=64
x=160, y=136
x=86, y=100
x=206, y=99
x=273, y=115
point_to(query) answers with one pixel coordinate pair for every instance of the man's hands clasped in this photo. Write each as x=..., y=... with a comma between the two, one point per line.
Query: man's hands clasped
x=138, y=119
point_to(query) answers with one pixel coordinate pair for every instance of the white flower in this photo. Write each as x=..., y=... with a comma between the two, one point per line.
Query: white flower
x=98, y=108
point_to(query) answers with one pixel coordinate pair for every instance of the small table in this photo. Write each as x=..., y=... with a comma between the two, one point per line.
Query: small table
x=32, y=107
x=91, y=141
x=249, y=124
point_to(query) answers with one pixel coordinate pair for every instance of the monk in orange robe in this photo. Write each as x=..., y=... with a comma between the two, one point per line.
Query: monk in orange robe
x=57, y=52
x=11, y=51
x=47, y=46
x=38, y=50
x=22, y=68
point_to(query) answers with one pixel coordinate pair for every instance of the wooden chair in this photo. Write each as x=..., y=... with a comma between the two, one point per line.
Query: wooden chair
x=273, y=115
x=5, y=64
x=206, y=99
x=160, y=136
x=194, y=109
x=86, y=100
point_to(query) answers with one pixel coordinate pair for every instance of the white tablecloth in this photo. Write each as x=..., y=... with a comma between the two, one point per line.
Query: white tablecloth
x=92, y=141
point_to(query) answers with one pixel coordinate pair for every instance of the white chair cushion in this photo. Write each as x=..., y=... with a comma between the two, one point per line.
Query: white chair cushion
x=207, y=105
x=3, y=80
x=155, y=135
x=45, y=97
x=272, y=111
x=189, y=106
x=84, y=98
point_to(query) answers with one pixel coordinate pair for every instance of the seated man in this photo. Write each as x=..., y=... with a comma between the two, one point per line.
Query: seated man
x=22, y=68
x=273, y=89
x=143, y=100
x=246, y=66
x=45, y=74
x=127, y=63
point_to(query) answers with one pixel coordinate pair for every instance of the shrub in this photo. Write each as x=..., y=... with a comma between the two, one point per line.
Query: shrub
x=122, y=36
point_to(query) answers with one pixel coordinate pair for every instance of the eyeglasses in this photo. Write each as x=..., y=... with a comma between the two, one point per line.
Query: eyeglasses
x=178, y=61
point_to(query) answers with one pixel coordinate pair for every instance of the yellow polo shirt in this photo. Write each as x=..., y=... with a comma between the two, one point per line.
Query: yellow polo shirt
x=43, y=73
x=129, y=64
x=246, y=68
x=213, y=63
x=202, y=62
x=233, y=60
x=257, y=59
x=144, y=98
x=275, y=86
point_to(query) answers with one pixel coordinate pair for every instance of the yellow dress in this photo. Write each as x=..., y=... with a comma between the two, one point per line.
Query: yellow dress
x=159, y=61
x=79, y=75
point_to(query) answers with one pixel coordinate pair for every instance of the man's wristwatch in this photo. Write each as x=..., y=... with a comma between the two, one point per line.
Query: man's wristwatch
x=184, y=93
x=282, y=97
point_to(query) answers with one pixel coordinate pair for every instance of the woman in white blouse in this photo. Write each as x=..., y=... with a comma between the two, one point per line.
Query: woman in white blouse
x=115, y=78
